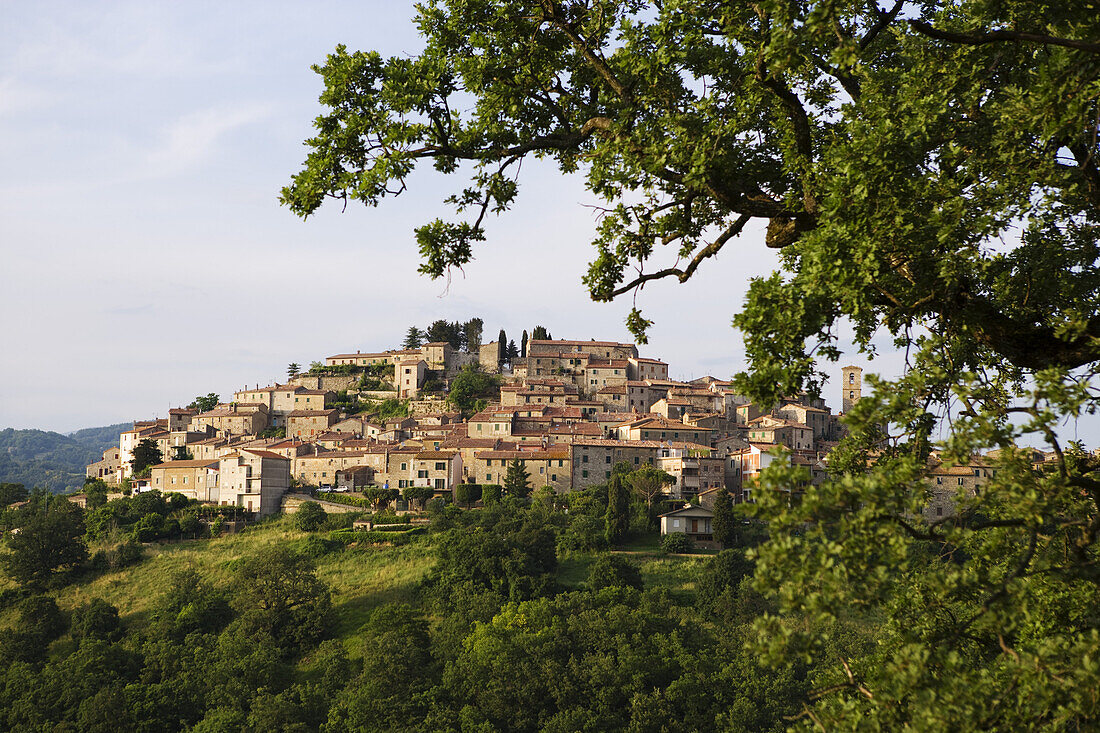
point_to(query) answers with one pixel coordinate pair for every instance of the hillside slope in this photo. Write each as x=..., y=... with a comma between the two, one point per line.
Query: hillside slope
x=53, y=460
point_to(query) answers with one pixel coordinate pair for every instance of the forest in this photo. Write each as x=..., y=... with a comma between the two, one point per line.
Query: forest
x=44, y=458
x=514, y=616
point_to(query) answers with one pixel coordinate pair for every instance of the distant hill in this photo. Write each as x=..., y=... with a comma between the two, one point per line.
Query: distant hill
x=45, y=458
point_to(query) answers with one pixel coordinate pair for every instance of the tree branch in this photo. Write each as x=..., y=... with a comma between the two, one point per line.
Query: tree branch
x=980, y=39
x=683, y=275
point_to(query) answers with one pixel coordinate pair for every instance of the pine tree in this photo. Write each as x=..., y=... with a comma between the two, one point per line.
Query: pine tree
x=516, y=481
x=617, y=518
x=724, y=522
x=292, y=369
x=414, y=338
x=512, y=352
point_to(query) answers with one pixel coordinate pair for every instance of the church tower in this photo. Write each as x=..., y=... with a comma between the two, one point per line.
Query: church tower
x=851, y=384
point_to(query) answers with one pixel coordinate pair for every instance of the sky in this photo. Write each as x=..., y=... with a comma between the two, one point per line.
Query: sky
x=146, y=259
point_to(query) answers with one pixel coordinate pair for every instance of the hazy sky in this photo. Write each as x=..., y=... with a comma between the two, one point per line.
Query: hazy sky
x=146, y=259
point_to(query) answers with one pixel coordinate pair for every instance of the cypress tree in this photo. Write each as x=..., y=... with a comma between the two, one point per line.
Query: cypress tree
x=617, y=519
x=724, y=523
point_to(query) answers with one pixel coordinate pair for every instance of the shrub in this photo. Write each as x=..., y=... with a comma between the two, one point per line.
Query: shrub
x=610, y=571
x=309, y=517
x=677, y=543
x=96, y=619
x=490, y=493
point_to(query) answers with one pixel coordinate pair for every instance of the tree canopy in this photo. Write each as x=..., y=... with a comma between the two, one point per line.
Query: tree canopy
x=929, y=173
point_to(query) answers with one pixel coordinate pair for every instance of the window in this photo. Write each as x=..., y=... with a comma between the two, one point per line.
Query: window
x=607, y=474
x=635, y=460
x=422, y=473
x=553, y=477
x=607, y=458
x=440, y=466
x=851, y=377
x=488, y=477
x=584, y=473
x=960, y=481
x=584, y=459
x=851, y=395
x=404, y=466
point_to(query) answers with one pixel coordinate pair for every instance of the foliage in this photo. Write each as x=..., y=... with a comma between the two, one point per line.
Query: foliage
x=510, y=557
x=677, y=542
x=414, y=338
x=418, y=494
x=649, y=484
x=724, y=523
x=293, y=369
x=614, y=571
x=48, y=537
x=471, y=332
x=380, y=497
x=467, y=494
x=37, y=458
x=281, y=597
x=146, y=454
x=273, y=432
x=205, y=404
x=472, y=388
x=517, y=480
x=539, y=333
x=617, y=517
x=928, y=172
x=309, y=516
x=490, y=493
x=388, y=409
x=11, y=493
x=96, y=619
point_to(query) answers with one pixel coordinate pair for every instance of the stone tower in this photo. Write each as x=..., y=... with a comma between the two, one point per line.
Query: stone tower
x=851, y=384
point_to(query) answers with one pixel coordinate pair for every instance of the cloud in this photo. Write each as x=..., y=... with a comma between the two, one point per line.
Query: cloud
x=192, y=139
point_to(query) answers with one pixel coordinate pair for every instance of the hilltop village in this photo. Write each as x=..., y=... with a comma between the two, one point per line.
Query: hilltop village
x=566, y=411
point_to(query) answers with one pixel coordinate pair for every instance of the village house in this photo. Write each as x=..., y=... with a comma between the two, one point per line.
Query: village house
x=694, y=521
x=232, y=419
x=949, y=484
x=179, y=418
x=195, y=479
x=694, y=469
x=641, y=368
x=254, y=480
x=308, y=424
x=654, y=427
x=545, y=467
x=408, y=377
x=108, y=468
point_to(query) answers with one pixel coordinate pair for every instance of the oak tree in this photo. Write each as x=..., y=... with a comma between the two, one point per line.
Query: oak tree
x=929, y=174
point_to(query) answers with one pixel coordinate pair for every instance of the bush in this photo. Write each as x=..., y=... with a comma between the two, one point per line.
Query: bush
x=611, y=571
x=309, y=517
x=490, y=493
x=677, y=543
x=96, y=619
x=315, y=547
x=584, y=534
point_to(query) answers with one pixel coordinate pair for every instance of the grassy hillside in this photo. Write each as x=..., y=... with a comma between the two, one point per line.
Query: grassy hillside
x=503, y=618
x=361, y=577
x=45, y=458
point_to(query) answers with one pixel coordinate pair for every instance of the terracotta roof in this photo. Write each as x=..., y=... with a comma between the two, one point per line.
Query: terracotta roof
x=532, y=455
x=187, y=464
x=264, y=454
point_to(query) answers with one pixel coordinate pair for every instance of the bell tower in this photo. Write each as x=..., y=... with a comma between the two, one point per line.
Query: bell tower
x=851, y=378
